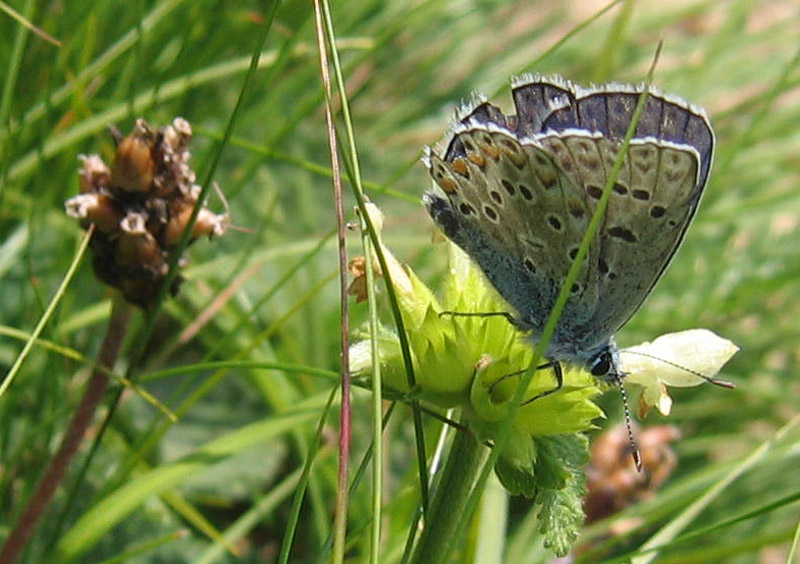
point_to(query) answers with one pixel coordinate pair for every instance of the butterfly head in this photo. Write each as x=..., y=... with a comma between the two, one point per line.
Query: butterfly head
x=604, y=364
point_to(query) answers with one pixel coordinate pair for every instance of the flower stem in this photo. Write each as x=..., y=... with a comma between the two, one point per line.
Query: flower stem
x=449, y=500
x=59, y=464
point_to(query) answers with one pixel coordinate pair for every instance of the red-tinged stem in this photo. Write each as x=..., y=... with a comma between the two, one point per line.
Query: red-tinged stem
x=340, y=516
x=95, y=391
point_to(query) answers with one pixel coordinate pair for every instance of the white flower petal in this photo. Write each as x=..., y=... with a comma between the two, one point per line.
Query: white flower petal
x=684, y=359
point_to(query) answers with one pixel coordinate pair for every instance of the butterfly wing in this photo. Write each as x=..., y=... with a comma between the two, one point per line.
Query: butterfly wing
x=554, y=105
x=649, y=210
x=654, y=198
x=513, y=210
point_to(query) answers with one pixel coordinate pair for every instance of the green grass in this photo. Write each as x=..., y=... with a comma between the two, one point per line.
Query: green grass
x=158, y=491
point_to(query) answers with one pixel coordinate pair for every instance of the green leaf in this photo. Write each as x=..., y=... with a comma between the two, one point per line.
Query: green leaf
x=116, y=506
x=555, y=480
x=561, y=461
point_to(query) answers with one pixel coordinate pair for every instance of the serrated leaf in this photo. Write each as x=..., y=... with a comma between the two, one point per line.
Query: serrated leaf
x=556, y=482
x=562, y=515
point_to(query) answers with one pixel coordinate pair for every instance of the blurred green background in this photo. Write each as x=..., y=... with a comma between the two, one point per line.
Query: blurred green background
x=407, y=66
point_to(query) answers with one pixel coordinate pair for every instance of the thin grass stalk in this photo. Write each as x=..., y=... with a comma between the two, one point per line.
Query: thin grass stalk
x=159, y=13
x=377, y=403
x=340, y=513
x=358, y=192
x=54, y=144
x=791, y=557
x=671, y=529
x=150, y=439
x=11, y=75
x=436, y=461
x=300, y=490
x=73, y=268
x=357, y=477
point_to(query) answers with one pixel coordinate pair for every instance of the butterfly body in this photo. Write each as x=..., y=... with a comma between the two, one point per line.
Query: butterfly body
x=519, y=192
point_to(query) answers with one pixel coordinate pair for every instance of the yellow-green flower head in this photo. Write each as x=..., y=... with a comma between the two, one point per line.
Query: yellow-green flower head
x=474, y=362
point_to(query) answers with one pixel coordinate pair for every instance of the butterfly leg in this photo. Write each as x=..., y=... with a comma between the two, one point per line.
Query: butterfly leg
x=510, y=318
x=559, y=376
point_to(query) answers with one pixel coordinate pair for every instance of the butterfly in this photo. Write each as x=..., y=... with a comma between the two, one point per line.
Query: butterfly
x=517, y=193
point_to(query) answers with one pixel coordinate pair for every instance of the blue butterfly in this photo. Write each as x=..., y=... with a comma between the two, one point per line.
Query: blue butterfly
x=518, y=192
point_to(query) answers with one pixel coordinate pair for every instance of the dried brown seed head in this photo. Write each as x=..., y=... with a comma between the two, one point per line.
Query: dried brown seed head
x=141, y=206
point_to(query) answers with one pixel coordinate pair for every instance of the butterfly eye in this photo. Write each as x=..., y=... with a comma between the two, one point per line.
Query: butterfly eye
x=601, y=365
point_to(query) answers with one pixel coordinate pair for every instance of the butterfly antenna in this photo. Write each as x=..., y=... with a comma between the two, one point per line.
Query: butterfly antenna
x=637, y=457
x=716, y=381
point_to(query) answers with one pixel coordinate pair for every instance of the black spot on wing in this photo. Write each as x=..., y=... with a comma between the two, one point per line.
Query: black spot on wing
x=594, y=191
x=554, y=222
x=622, y=233
x=466, y=209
